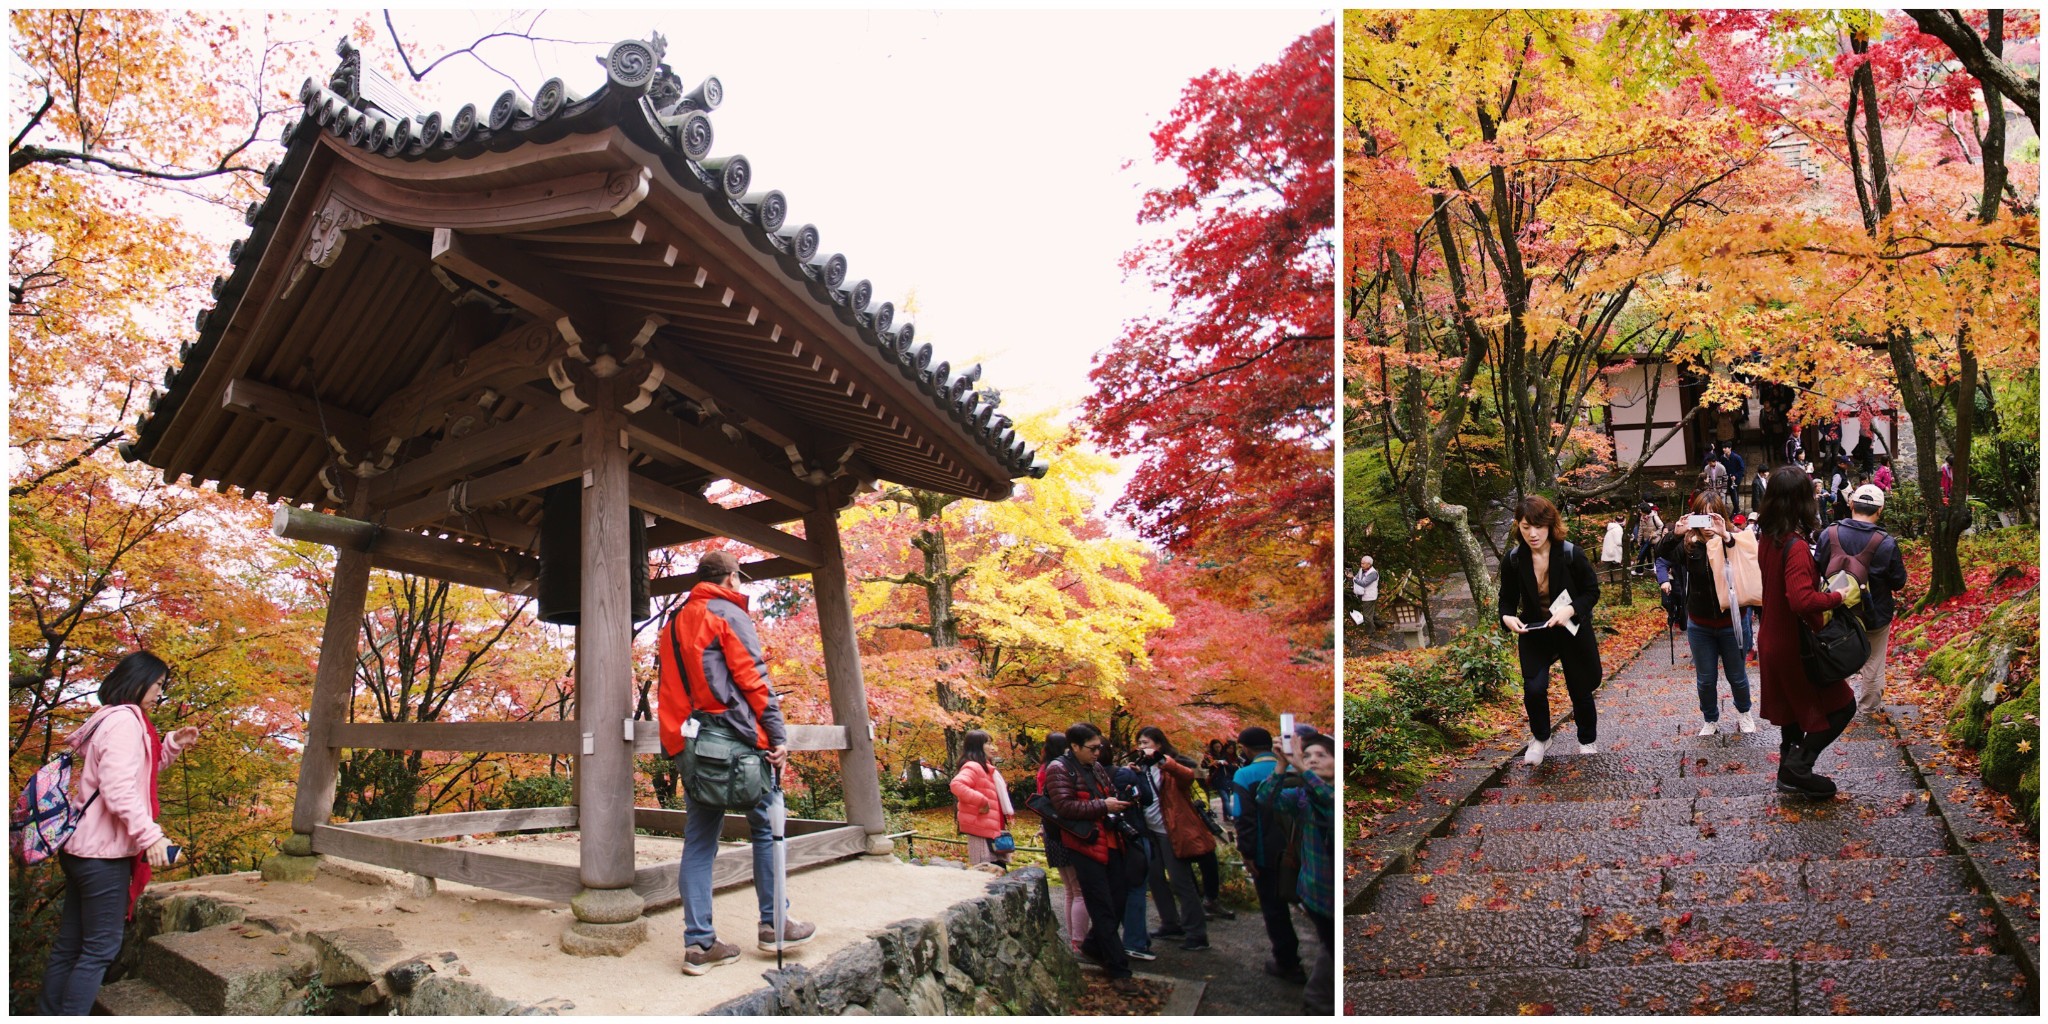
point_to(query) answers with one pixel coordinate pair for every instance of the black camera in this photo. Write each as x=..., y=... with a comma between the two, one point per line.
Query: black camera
x=1124, y=827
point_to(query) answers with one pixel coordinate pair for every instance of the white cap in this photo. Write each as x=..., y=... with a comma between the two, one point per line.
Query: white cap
x=1868, y=494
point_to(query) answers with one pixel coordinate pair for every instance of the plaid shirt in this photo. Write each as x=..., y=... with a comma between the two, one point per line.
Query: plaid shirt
x=1314, y=803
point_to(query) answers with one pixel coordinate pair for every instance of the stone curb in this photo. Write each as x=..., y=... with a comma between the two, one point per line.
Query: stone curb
x=1400, y=853
x=2026, y=954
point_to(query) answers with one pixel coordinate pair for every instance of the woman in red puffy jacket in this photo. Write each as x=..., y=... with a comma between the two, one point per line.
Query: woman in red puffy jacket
x=981, y=802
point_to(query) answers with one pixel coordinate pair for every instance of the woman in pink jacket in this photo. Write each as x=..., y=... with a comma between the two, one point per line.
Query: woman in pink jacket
x=981, y=803
x=107, y=861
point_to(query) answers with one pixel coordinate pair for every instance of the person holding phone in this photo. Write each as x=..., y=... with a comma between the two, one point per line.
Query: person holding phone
x=1702, y=563
x=1809, y=715
x=1547, y=581
x=1080, y=788
x=109, y=859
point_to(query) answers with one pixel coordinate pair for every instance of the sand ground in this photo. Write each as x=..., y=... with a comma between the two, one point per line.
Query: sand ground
x=508, y=943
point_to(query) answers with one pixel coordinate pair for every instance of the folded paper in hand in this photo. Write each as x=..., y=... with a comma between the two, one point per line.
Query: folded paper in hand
x=1563, y=603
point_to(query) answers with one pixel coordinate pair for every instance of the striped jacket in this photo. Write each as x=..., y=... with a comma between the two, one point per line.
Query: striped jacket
x=710, y=661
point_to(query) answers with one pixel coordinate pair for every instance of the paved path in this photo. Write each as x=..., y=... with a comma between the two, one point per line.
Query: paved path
x=1232, y=969
x=1665, y=874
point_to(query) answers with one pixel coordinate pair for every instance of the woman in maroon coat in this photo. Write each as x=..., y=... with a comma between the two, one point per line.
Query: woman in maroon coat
x=1809, y=716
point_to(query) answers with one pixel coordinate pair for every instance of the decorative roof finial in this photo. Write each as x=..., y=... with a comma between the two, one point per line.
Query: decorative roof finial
x=346, y=81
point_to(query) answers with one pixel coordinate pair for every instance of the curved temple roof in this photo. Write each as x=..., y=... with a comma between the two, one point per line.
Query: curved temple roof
x=393, y=245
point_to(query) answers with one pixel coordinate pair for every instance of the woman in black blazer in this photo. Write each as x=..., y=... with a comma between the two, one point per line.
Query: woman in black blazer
x=1541, y=635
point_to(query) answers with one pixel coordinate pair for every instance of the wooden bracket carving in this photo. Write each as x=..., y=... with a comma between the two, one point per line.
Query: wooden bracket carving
x=629, y=387
x=623, y=376
x=330, y=228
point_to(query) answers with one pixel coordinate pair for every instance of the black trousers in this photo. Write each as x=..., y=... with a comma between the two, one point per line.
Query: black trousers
x=1273, y=891
x=1103, y=891
x=1581, y=657
x=89, y=933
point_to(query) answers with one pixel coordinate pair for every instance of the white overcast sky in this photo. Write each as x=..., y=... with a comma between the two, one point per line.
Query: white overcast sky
x=975, y=158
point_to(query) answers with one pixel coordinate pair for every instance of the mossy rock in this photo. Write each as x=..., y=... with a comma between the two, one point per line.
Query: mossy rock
x=1986, y=664
x=2008, y=726
x=2027, y=797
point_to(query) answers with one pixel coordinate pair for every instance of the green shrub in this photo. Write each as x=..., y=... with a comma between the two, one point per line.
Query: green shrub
x=537, y=791
x=1379, y=736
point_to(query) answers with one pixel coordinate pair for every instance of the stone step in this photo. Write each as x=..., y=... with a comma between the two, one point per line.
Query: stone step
x=1500, y=892
x=1583, y=815
x=1403, y=945
x=1518, y=786
x=1990, y=985
x=1688, y=887
x=1775, y=808
x=1955, y=985
x=135, y=997
x=1882, y=929
x=1742, y=988
x=1818, y=882
x=230, y=968
x=1658, y=846
x=1682, y=808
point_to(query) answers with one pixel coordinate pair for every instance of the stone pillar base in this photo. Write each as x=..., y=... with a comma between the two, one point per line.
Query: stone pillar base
x=608, y=923
x=287, y=867
x=880, y=845
x=585, y=938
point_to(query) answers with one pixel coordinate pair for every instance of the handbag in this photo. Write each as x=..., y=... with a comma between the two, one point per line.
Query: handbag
x=1836, y=650
x=1041, y=805
x=718, y=766
x=1004, y=842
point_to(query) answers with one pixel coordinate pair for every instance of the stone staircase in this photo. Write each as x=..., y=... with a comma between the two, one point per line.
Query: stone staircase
x=1666, y=875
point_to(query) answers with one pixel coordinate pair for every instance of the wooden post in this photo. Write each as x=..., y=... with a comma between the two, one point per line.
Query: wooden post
x=332, y=683
x=858, y=773
x=604, y=657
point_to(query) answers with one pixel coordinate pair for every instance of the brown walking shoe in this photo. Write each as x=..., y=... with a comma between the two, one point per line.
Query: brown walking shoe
x=698, y=959
x=794, y=933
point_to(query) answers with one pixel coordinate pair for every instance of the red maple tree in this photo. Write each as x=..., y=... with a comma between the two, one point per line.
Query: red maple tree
x=1227, y=396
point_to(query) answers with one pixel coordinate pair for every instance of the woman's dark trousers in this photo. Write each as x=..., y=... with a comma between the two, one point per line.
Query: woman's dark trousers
x=89, y=932
x=1212, y=876
x=1581, y=657
x=1274, y=892
x=1102, y=889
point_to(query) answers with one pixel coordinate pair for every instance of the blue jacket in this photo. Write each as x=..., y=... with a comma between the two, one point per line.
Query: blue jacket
x=1257, y=838
x=1887, y=569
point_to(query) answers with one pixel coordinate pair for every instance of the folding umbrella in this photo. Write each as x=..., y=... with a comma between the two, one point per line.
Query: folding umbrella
x=778, y=818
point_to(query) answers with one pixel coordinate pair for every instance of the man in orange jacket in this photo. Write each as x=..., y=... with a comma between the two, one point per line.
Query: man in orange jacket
x=711, y=667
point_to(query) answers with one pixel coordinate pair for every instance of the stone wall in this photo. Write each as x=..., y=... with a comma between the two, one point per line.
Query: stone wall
x=997, y=954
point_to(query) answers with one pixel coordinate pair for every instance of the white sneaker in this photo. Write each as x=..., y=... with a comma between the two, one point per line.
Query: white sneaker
x=1747, y=721
x=1534, y=755
x=1707, y=729
x=1589, y=748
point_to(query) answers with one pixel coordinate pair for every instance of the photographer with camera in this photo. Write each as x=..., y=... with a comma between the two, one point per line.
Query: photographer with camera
x=1301, y=788
x=1179, y=837
x=1083, y=797
x=1133, y=786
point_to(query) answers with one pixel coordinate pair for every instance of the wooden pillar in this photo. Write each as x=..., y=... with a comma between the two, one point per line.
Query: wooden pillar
x=858, y=773
x=333, y=681
x=604, y=657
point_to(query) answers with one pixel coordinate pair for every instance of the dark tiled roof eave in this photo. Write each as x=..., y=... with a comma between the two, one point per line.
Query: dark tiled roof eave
x=621, y=102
